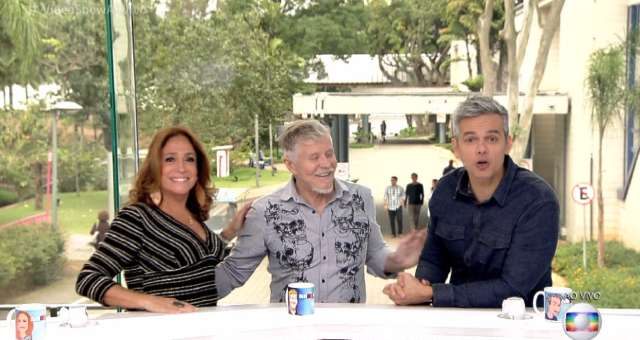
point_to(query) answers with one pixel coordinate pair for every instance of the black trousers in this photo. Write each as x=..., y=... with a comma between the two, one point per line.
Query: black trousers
x=393, y=216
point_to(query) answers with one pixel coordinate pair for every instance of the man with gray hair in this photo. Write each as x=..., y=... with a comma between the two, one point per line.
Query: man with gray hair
x=315, y=229
x=494, y=226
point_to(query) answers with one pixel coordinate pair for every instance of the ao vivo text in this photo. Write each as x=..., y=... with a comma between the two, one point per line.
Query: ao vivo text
x=586, y=296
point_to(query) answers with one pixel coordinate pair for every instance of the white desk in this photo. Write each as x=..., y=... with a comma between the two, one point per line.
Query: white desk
x=335, y=321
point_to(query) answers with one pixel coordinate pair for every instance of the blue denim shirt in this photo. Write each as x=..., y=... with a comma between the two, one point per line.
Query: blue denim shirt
x=496, y=249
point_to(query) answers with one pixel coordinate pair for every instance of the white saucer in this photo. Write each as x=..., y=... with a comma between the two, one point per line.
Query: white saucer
x=526, y=317
x=90, y=324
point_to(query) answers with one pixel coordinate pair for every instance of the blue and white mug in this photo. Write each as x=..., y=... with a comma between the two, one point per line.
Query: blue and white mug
x=30, y=322
x=556, y=302
x=299, y=298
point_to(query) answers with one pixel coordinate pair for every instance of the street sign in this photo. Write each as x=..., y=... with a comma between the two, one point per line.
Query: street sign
x=437, y=105
x=441, y=118
x=583, y=193
x=342, y=171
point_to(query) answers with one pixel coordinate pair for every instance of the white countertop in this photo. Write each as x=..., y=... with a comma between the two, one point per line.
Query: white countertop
x=334, y=321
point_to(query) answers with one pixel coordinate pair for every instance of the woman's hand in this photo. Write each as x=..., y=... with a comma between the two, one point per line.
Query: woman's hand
x=159, y=304
x=235, y=226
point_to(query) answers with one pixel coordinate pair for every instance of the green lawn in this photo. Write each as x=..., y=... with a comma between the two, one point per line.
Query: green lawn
x=75, y=214
x=247, y=178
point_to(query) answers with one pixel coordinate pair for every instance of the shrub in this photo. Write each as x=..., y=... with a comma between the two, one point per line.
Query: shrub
x=361, y=145
x=8, y=197
x=34, y=254
x=409, y=132
x=474, y=84
x=615, y=282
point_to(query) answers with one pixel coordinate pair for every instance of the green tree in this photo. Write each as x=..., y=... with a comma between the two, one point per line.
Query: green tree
x=18, y=23
x=605, y=86
x=25, y=141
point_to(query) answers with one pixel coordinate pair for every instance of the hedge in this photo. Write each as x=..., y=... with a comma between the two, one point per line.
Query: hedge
x=29, y=256
x=616, y=282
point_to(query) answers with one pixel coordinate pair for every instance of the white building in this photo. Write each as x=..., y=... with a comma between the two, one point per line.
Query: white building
x=563, y=147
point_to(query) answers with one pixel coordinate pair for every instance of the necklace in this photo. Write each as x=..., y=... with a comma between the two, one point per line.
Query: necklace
x=190, y=220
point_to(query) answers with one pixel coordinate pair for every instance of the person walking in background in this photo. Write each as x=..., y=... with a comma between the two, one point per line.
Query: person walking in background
x=100, y=228
x=383, y=131
x=415, y=199
x=448, y=168
x=393, y=202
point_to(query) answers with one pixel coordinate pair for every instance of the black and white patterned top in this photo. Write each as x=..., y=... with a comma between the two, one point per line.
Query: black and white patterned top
x=159, y=256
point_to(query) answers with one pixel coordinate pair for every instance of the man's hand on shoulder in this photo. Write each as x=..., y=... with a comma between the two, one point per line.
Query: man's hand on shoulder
x=408, y=290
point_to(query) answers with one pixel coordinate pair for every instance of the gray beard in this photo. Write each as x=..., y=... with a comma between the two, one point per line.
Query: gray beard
x=323, y=192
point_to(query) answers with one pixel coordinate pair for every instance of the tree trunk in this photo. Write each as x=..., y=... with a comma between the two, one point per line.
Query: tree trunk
x=421, y=124
x=466, y=44
x=10, y=97
x=551, y=24
x=508, y=35
x=601, y=253
x=37, y=174
x=81, y=137
x=488, y=67
x=502, y=75
x=409, y=120
x=75, y=156
x=523, y=36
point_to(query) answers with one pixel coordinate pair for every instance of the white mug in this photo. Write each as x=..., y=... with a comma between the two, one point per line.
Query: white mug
x=513, y=308
x=30, y=323
x=556, y=302
x=75, y=316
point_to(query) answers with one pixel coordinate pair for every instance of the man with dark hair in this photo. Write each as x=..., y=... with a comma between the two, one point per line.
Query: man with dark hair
x=393, y=202
x=448, y=168
x=494, y=226
x=415, y=198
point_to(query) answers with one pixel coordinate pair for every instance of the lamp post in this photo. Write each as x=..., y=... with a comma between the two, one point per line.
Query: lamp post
x=69, y=107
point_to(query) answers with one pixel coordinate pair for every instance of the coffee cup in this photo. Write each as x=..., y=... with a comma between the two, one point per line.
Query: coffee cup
x=299, y=298
x=30, y=322
x=556, y=302
x=75, y=316
x=513, y=308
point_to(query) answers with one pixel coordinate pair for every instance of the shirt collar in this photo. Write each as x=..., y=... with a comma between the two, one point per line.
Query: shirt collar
x=290, y=191
x=500, y=195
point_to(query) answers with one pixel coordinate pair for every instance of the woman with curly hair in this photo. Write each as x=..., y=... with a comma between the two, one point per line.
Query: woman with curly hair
x=159, y=238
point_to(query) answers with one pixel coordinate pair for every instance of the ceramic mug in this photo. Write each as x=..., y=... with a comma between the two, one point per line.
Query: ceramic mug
x=299, y=298
x=513, y=308
x=30, y=322
x=75, y=316
x=556, y=302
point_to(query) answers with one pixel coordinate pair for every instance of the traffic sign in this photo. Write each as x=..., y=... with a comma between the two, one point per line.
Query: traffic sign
x=583, y=193
x=437, y=105
x=441, y=118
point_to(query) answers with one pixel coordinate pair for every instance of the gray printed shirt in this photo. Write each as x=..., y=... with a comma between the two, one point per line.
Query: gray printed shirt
x=328, y=250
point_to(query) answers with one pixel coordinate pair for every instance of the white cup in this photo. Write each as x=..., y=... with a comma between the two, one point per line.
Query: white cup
x=30, y=322
x=513, y=308
x=75, y=316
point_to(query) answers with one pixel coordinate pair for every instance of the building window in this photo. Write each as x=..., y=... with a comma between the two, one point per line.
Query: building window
x=632, y=128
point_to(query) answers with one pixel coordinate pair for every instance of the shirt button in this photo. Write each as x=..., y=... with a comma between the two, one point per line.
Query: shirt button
x=323, y=281
x=324, y=257
x=322, y=234
x=466, y=260
x=313, y=211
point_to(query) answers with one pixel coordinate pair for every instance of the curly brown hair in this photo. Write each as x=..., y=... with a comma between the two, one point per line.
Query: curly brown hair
x=150, y=173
